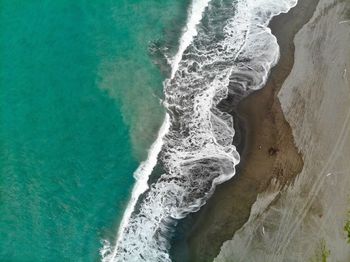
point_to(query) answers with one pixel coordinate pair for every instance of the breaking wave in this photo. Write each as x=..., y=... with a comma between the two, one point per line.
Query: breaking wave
x=226, y=48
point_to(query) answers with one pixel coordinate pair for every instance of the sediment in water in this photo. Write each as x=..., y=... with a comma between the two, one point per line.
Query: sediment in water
x=230, y=53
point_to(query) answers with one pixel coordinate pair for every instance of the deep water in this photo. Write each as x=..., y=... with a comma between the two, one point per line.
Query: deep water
x=79, y=107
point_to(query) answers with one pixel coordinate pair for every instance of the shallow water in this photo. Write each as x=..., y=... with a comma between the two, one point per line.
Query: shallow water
x=79, y=107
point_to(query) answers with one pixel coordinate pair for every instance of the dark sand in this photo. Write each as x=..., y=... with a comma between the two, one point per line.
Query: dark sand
x=265, y=128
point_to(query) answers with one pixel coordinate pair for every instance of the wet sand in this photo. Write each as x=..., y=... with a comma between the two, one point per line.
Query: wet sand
x=306, y=220
x=268, y=152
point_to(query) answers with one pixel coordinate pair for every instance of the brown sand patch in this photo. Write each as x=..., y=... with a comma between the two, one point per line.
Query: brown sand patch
x=269, y=149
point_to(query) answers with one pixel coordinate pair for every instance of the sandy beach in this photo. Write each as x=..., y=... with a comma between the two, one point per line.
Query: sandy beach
x=268, y=155
x=305, y=221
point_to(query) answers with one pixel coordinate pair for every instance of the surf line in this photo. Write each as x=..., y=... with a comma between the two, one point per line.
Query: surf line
x=141, y=175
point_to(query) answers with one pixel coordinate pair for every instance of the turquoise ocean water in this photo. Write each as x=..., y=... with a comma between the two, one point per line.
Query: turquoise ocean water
x=79, y=107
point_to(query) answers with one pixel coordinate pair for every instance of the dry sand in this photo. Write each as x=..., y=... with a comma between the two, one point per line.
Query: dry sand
x=230, y=207
x=306, y=220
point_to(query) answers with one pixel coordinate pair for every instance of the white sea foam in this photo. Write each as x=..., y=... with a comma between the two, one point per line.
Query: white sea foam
x=141, y=176
x=145, y=169
x=228, y=51
x=195, y=14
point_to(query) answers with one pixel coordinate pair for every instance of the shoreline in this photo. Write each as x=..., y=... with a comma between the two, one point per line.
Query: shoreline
x=268, y=145
x=308, y=220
